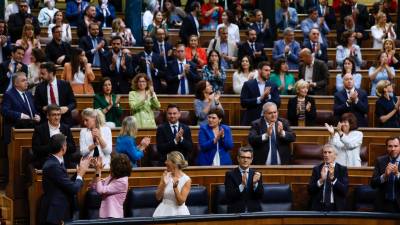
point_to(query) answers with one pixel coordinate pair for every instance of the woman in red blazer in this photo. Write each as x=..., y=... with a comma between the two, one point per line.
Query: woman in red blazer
x=194, y=53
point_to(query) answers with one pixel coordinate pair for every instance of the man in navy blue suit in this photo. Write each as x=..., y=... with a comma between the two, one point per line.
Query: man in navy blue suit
x=11, y=66
x=190, y=24
x=162, y=47
x=17, y=107
x=94, y=46
x=263, y=30
x=252, y=48
x=353, y=100
x=57, y=204
x=256, y=92
x=181, y=74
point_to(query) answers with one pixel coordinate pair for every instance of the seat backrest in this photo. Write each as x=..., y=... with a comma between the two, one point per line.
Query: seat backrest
x=141, y=202
x=197, y=200
x=219, y=205
x=277, y=197
x=364, y=198
x=364, y=155
x=324, y=116
x=92, y=204
x=307, y=154
x=159, y=117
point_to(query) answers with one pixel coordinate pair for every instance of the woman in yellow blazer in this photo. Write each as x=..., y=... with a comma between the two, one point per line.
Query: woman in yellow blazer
x=79, y=73
x=142, y=101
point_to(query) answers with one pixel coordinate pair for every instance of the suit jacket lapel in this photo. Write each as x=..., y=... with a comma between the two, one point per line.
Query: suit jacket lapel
x=315, y=71
x=21, y=100
x=263, y=125
x=47, y=131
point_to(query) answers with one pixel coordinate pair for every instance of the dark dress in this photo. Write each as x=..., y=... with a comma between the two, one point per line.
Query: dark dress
x=114, y=115
x=384, y=106
x=310, y=116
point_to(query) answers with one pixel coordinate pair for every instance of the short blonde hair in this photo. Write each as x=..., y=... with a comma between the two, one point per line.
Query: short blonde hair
x=381, y=86
x=129, y=126
x=178, y=159
x=95, y=113
x=300, y=84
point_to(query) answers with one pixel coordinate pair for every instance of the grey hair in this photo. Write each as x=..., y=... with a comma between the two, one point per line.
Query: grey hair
x=267, y=105
x=15, y=76
x=287, y=31
x=329, y=146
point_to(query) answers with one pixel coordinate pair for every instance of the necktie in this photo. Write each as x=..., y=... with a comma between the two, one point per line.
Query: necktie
x=260, y=26
x=327, y=190
x=148, y=68
x=162, y=49
x=253, y=46
x=390, y=187
x=175, y=130
x=28, y=105
x=314, y=46
x=15, y=67
x=274, y=149
x=63, y=165
x=52, y=96
x=182, y=81
x=96, y=57
x=244, y=174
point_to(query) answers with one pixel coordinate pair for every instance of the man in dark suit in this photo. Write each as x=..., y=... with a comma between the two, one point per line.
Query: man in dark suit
x=95, y=47
x=5, y=43
x=256, y=92
x=327, y=12
x=270, y=137
x=173, y=135
x=162, y=47
x=17, y=107
x=386, y=178
x=328, y=183
x=252, y=48
x=243, y=185
x=190, y=24
x=42, y=134
x=17, y=21
x=58, y=51
x=308, y=4
x=150, y=63
x=117, y=65
x=181, y=75
x=57, y=204
x=358, y=11
x=350, y=25
x=54, y=91
x=318, y=49
x=314, y=71
x=263, y=30
x=9, y=67
x=353, y=100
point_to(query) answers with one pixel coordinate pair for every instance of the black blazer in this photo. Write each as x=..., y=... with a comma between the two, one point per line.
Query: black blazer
x=86, y=44
x=40, y=145
x=322, y=54
x=167, y=48
x=172, y=77
x=263, y=36
x=16, y=23
x=292, y=115
x=362, y=18
x=261, y=148
x=54, y=51
x=166, y=143
x=57, y=203
x=320, y=76
x=360, y=110
x=379, y=169
x=339, y=188
x=83, y=30
x=248, y=100
x=188, y=28
x=66, y=98
x=4, y=80
x=245, y=49
x=6, y=50
x=249, y=198
x=329, y=17
x=121, y=81
x=157, y=71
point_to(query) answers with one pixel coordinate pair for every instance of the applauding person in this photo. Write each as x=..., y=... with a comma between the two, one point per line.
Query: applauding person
x=205, y=101
x=213, y=72
x=387, y=106
x=380, y=71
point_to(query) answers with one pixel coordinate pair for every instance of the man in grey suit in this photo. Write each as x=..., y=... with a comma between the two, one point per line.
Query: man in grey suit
x=227, y=49
x=314, y=71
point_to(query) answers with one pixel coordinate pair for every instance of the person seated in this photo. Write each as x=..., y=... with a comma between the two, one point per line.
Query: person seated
x=46, y=14
x=349, y=66
x=163, y=47
x=28, y=42
x=282, y=78
x=84, y=23
x=286, y=16
x=79, y=73
x=318, y=48
x=212, y=14
x=181, y=75
x=244, y=73
x=328, y=13
x=231, y=28
x=119, y=29
x=174, y=187
x=58, y=51
x=105, y=13
x=75, y=10
x=117, y=65
x=213, y=72
x=329, y=182
x=313, y=22
x=33, y=76
x=270, y=136
x=252, y=48
x=194, y=53
x=142, y=101
x=387, y=106
x=215, y=141
x=263, y=29
x=287, y=48
x=17, y=21
x=190, y=24
x=386, y=176
x=113, y=188
x=5, y=43
x=173, y=135
x=301, y=109
x=108, y=103
x=351, y=99
x=95, y=138
x=381, y=31
x=126, y=142
x=59, y=20
x=380, y=71
x=94, y=45
x=348, y=48
x=347, y=140
x=243, y=185
x=227, y=49
x=54, y=91
x=13, y=8
x=350, y=25
x=357, y=10
x=17, y=107
x=41, y=138
x=389, y=47
x=205, y=101
x=158, y=22
x=314, y=71
x=11, y=66
x=173, y=15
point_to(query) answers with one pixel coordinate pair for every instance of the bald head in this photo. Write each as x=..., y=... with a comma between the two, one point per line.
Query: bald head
x=306, y=56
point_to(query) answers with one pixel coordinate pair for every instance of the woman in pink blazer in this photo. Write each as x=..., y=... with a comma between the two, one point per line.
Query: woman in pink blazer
x=113, y=188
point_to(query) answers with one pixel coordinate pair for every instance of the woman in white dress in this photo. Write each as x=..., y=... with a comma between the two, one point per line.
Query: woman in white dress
x=228, y=20
x=174, y=187
x=244, y=73
x=382, y=30
x=347, y=140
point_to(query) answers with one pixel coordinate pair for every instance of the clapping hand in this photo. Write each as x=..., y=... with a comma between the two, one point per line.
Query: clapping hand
x=330, y=129
x=98, y=163
x=256, y=177
x=270, y=128
x=165, y=177
x=353, y=96
x=280, y=128
x=179, y=135
x=220, y=134
x=308, y=106
x=144, y=143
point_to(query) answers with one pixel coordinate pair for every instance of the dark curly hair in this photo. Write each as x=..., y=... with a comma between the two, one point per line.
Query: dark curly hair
x=351, y=118
x=120, y=166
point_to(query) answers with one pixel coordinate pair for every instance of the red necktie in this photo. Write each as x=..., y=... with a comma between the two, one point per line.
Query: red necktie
x=52, y=96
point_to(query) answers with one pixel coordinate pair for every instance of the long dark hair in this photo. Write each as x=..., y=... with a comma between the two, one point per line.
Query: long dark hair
x=240, y=68
x=75, y=60
x=353, y=68
x=219, y=59
x=200, y=87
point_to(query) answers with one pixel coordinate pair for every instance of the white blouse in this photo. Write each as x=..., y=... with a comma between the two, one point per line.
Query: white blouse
x=86, y=139
x=66, y=32
x=377, y=34
x=348, y=148
x=240, y=78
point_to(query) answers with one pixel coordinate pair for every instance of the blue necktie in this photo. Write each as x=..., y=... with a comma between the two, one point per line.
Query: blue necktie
x=390, y=187
x=27, y=104
x=148, y=68
x=175, y=130
x=182, y=81
x=162, y=49
x=274, y=149
x=96, y=58
x=327, y=190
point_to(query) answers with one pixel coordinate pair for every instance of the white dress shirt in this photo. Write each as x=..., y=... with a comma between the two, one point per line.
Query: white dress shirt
x=265, y=137
x=308, y=73
x=54, y=130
